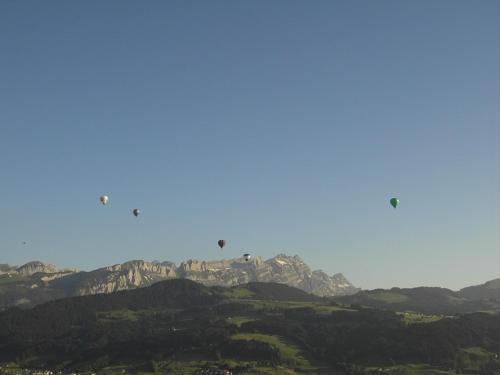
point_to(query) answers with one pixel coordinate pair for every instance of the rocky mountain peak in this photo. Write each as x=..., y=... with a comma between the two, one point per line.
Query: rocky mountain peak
x=31, y=268
x=291, y=258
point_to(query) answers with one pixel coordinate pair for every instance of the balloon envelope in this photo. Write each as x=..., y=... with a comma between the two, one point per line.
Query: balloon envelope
x=104, y=199
x=394, y=202
x=247, y=257
x=221, y=243
x=136, y=212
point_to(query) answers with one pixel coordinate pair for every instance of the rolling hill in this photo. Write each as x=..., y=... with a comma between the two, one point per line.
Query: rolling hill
x=430, y=300
x=182, y=327
x=489, y=290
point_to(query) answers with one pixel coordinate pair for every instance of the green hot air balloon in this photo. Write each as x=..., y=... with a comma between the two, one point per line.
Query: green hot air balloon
x=394, y=202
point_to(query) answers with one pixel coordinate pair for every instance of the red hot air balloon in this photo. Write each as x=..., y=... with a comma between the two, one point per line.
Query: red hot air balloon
x=221, y=243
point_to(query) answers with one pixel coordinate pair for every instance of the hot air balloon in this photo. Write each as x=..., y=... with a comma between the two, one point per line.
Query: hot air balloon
x=104, y=199
x=394, y=202
x=247, y=257
x=221, y=243
x=136, y=212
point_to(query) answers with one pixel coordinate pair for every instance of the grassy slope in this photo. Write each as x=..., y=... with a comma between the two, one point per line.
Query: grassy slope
x=288, y=350
x=417, y=318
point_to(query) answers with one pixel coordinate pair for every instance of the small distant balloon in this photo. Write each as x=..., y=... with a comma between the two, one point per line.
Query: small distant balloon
x=104, y=199
x=394, y=202
x=24, y=242
x=221, y=243
x=247, y=257
x=136, y=212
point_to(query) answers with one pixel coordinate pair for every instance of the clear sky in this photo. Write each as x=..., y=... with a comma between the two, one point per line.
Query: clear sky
x=280, y=126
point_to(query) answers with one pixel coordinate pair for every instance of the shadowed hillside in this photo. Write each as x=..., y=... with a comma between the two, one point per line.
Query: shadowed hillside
x=488, y=290
x=427, y=300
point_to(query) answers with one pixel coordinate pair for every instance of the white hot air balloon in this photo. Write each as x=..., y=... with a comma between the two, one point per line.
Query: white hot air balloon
x=136, y=212
x=104, y=199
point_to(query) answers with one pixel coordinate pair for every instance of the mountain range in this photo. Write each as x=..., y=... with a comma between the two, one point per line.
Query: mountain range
x=36, y=282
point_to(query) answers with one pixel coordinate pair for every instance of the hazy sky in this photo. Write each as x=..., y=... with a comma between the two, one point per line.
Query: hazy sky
x=280, y=126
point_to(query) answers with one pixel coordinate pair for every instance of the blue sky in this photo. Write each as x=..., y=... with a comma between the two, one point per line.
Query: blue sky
x=280, y=126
